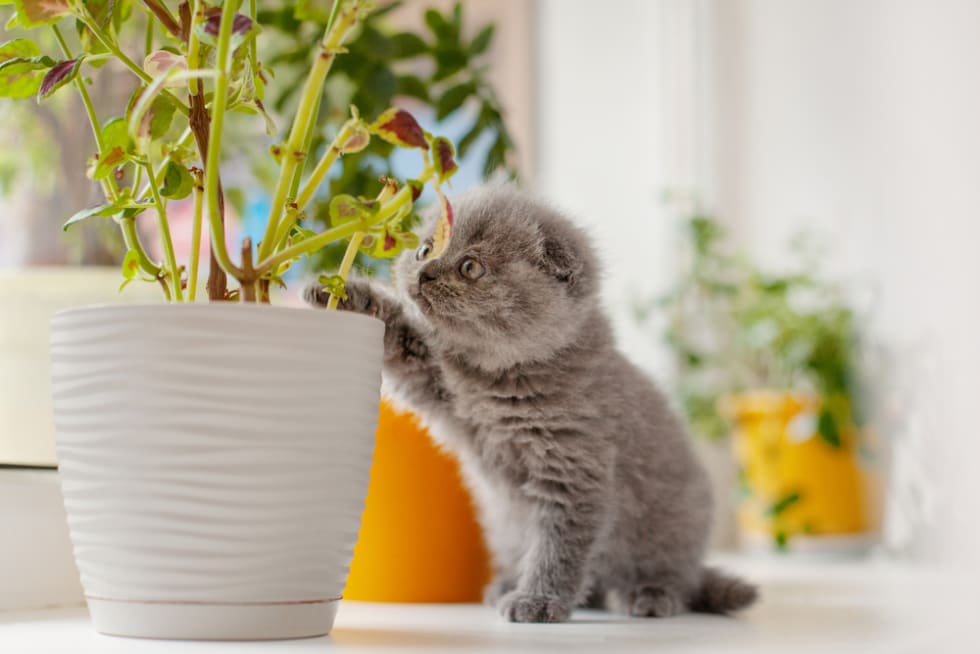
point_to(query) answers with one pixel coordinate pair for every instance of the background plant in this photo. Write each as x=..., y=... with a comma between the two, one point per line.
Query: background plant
x=207, y=67
x=733, y=328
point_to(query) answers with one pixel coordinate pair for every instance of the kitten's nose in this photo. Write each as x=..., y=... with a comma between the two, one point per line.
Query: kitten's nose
x=425, y=276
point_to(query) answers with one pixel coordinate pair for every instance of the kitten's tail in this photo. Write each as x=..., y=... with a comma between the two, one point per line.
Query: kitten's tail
x=722, y=593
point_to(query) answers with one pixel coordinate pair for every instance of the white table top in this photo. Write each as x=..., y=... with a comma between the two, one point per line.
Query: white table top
x=828, y=607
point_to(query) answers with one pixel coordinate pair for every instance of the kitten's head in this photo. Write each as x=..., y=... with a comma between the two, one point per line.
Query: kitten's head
x=514, y=284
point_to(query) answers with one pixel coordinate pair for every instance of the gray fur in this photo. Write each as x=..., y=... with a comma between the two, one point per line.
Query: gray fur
x=587, y=488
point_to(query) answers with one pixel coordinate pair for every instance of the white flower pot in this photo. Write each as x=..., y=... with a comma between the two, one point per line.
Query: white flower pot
x=214, y=462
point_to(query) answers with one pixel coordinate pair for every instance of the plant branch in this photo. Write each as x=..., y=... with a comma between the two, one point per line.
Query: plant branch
x=212, y=189
x=345, y=265
x=132, y=240
x=165, y=239
x=333, y=38
x=195, y=237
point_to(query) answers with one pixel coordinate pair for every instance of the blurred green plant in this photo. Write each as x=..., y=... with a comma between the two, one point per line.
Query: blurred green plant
x=733, y=328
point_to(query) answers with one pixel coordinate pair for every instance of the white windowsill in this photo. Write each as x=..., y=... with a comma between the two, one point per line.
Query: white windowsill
x=831, y=606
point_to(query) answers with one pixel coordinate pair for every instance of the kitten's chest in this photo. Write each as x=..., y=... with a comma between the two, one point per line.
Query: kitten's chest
x=499, y=402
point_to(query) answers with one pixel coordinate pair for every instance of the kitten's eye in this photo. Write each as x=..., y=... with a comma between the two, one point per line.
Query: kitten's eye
x=471, y=269
x=423, y=251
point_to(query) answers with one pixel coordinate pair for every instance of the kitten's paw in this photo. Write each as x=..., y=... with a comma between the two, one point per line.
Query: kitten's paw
x=496, y=589
x=652, y=602
x=413, y=346
x=518, y=606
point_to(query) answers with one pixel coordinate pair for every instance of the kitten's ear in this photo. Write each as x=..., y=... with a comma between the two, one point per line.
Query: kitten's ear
x=560, y=260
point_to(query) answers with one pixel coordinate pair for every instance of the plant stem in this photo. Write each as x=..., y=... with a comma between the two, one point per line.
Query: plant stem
x=213, y=160
x=333, y=38
x=114, y=48
x=345, y=265
x=195, y=240
x=165, y=239
x=109, y=186
x=323, y=166
x=316, y=178
x=148, y=39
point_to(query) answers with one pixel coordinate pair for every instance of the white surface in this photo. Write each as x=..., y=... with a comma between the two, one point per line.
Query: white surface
x=36, y=565
x=214, y=456
x=825, y=607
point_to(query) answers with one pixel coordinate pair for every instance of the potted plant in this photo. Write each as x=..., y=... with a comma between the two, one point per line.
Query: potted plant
x=214, y=457
x=773, y=360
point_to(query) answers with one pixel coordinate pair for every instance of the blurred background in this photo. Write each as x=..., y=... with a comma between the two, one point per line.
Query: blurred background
x=785, y=195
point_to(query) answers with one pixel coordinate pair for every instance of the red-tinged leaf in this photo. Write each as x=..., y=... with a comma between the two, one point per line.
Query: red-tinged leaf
x=399, y=127
x=417, y=188
x=357, y=141
x=32, y=13
x=107, y=163
x=242, y=28
x=212, y=22
x=159, y=62
x=444, y=228
x=444, y=158
x=59, y=75
x=389, y=242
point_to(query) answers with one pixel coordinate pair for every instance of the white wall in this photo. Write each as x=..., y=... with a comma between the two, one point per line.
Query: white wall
x=602, y=151
x=862, y=118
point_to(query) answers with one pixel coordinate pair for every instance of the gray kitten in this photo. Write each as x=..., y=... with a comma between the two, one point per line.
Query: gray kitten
x=587, y=488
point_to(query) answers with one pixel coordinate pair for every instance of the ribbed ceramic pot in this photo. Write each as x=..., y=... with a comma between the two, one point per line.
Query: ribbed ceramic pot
x=214, y=462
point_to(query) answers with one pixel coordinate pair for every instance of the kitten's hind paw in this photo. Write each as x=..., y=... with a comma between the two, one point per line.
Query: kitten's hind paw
x=648, y=601
x=518, y=606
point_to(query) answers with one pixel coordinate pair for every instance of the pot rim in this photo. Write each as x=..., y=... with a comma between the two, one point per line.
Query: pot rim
x=170, y=307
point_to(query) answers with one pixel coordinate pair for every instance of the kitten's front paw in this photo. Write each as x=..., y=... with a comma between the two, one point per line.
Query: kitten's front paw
x=518, y=606
x=361, y=298
x=496, y=589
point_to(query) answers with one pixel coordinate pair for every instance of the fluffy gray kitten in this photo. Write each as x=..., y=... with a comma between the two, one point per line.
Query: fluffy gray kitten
x=586, y=485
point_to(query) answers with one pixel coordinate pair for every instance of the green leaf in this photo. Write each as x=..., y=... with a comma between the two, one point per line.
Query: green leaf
x=827, y=428
x=449, y=61
x=115, y=134
x=34, y=13
x=453, y=98
x=21, y=66
x=130, y=265
x=413, y=87
x=334, y=284
x=177, y=182
x=482, y=41
x=154, y=122
x=407, y=44
x=782, y=505
x=59, y=75
x=440, y=27
x=317, y=11
x=105, y=210
x=346, y=208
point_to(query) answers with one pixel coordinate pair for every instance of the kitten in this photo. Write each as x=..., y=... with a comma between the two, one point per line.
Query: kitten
x=587, y=488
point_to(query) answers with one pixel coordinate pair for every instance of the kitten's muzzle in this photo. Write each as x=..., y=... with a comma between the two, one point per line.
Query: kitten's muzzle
x=425, y=275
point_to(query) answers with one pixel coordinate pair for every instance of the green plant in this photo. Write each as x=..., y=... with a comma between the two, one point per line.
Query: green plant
x=733, y=328
x=201, y=65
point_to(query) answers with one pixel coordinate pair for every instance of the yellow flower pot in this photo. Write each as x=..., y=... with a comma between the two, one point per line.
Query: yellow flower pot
x=419, y=538
x=793, y=482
